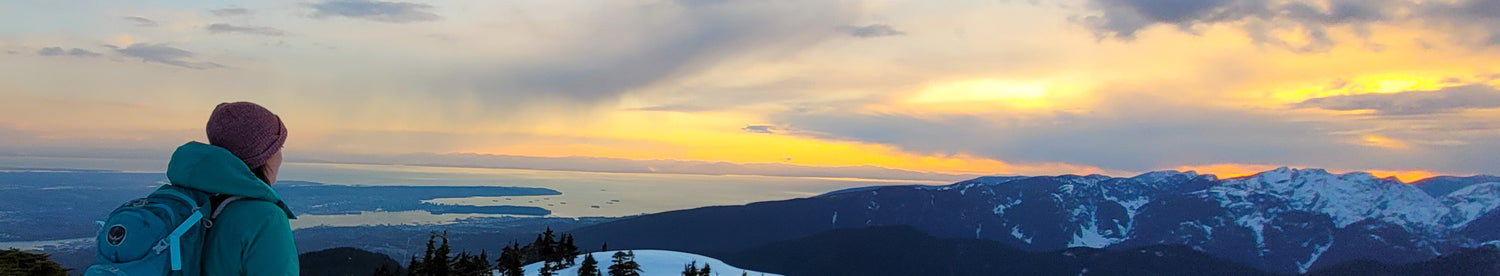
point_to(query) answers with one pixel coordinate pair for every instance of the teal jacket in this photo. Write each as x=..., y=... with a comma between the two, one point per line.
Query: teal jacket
x=250, y=236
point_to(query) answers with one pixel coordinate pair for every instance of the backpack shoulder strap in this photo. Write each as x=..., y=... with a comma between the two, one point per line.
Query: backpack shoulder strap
x=219, y=208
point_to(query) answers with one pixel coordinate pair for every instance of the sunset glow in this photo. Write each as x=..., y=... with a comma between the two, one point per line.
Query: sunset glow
x=1012, y=87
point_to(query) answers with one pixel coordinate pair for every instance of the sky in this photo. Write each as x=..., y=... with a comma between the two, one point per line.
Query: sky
x=1405, y=88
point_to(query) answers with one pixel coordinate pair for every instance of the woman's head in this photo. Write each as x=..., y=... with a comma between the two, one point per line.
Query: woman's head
x=250, y=132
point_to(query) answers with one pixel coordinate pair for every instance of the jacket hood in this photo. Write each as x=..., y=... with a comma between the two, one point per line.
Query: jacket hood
x=214, y=170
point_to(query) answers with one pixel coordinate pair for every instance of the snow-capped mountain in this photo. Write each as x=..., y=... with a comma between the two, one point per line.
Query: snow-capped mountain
x=1284, y=220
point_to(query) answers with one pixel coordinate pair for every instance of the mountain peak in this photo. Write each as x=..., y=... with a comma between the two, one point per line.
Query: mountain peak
x=1347, y=198
x=1159, y=176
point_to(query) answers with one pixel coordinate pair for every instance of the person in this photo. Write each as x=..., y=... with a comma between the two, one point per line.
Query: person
x=249, y=232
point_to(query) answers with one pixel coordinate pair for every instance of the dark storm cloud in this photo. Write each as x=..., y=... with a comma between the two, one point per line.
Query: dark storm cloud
x=221, y=28
x=1412, y=102
x=876, y=30
x=390, y=12
x=628, y=49
x=58, y=51
x=163, y=54
x=231, y=12
x=140, y=21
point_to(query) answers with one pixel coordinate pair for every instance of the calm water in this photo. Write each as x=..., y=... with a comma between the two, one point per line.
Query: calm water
x=584, y=194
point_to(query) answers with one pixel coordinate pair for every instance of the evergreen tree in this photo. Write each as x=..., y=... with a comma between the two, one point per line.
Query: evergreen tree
x=590, y=266
x=744, y=273
x=484, y=261
x=440, y=263
x=425, y=266
x=546, y=269
x=470, y=265
x=546, y=246
x=386, y=271
x=461, y=264
x=705, y=271
x=510, y=261
x=568, y=250
x=413, y=266
x=625, y=264
x=16, y=262
x=691, y=269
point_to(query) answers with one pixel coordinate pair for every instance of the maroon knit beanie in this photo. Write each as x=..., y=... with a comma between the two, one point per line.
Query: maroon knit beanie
x=247, y=130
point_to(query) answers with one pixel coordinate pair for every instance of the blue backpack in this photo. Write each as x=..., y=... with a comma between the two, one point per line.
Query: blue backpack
x=161, y=234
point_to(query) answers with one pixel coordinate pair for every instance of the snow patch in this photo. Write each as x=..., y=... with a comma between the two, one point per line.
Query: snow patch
x=1089, y=236
x=1317, y=252
x=1257, y=224
x=1015, y=231
x=653, y=262
x=1000, y=209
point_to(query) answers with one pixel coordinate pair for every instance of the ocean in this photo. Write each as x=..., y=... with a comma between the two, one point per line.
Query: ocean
x=584, y=194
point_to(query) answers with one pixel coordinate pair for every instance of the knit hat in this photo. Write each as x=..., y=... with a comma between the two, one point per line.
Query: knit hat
x=247, y=130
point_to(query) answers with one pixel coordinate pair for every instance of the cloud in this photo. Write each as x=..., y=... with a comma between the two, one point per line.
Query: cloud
x=760, y=129
x=871, y=31
x=1123, y=19
x=390, y=12
x=58, y=51
x=1480, y=17
x=140, y=21
x=1146, y=133
x=1475, y=21
x=222, y=28
x=593, y=164
x=231, y=12
x=677, y=108
x=163, y=54
x=656, y=42
x=1445, y=100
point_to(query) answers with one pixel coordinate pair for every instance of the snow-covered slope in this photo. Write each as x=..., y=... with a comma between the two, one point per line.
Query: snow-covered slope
x=1286, y=220
x=653, y=262
x=1346, y=198
x=1471, y=202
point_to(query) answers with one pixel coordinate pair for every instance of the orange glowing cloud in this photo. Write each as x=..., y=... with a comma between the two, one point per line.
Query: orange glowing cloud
x=1241, y=170
x=1404, y=176
x=1228, y=170
x=1382, y=142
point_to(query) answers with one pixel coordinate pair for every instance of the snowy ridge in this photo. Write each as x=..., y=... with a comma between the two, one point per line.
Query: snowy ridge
x=653, y=262
x=1284, y=220
x=1469, y=203
x=1163, y=176
x=1346, y=198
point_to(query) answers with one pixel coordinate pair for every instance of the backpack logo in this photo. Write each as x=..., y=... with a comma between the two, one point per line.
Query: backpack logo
x=116, y=235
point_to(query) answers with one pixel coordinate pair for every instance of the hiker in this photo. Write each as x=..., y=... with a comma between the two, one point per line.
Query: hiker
x=217, y=216
x=249, y=233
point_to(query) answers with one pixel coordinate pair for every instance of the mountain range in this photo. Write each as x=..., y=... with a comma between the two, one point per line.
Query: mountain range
x=1281, y=221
